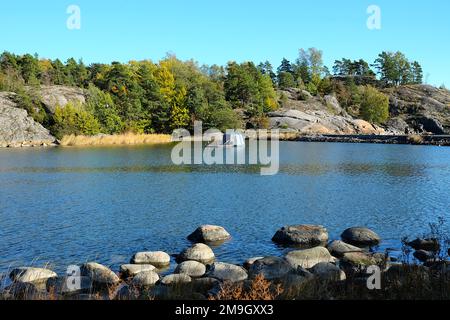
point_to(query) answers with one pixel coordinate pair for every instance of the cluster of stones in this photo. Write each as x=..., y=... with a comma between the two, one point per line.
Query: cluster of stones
x=312, y=256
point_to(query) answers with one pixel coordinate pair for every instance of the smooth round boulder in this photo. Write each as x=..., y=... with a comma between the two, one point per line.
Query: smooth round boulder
x=301, y=235
x=227, y=272
x=308, y=258
x=361, y=258
x=159, y=259
x=328, y=271
x=99, y=273
x=357, y=262
x=270, y=267
x=337, y=248
x=360, y=237
x=193, y=269
x=198, y=252
x=31, y=275
x=209, y=233
x=206, y=281
x=130, y=270
x=145, y=279
x=175, y=279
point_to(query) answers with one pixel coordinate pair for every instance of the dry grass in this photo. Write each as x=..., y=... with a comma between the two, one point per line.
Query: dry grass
x=111, y=140
x=415, y=139
x=259, y=289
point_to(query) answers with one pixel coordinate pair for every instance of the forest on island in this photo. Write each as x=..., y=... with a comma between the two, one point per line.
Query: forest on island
x=157, y=97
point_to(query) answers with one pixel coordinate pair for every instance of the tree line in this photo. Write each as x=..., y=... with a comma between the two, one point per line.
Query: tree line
x=147, y=97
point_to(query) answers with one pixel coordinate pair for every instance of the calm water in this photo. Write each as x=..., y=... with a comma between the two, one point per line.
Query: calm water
x=69, y=205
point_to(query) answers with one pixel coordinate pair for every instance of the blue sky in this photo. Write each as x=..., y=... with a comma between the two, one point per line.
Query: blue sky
x=219, y=31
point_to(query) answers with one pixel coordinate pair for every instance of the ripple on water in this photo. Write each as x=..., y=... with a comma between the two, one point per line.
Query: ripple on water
x=69, y=206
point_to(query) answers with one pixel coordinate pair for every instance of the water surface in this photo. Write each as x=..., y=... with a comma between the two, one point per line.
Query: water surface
x=70, y=205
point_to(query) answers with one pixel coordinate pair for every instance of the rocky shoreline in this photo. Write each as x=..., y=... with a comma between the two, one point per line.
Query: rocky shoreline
x=427, y=140
x=419, y=115
x=198, y=274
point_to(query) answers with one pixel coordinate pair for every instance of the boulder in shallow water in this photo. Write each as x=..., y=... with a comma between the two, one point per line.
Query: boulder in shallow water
x=360, y=237
x=172, y=279
x=328, y=271
x=159, y=259
x=227, y=272
x=301, y=235
x=193, y=269
x=337, y=248
x=209, y=233
x=31, y=275
x=130, y=270
x=308, y=258
x=145, y=279
x=198, y=252
x=99, y=273
x=356, y=262
x=270, y=267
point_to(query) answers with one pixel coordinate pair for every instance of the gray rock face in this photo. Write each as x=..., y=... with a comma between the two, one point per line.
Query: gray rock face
x=145, y=279
x=337, y=248
x=413, y=108
x=158, y=259
x=99, y=273
x=31, y=275
x=360, y=236
x=301, y=235
x=328, y=271
x=227, y=272
x=270, y=267
x=315, y=115
x=53, y=96
x=175, y=279
x=308, y=258
x=198, y=252
x=424, y=108
x=398, y=126
x=193, y=269
x=209, y=233
x=130, y=270
x=17, y=128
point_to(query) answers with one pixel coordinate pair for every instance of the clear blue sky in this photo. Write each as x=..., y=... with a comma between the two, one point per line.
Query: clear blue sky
x=212, y=31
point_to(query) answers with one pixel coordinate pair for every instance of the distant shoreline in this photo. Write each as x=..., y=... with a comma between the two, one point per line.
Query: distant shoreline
x=430, y=140
x=130, y=139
